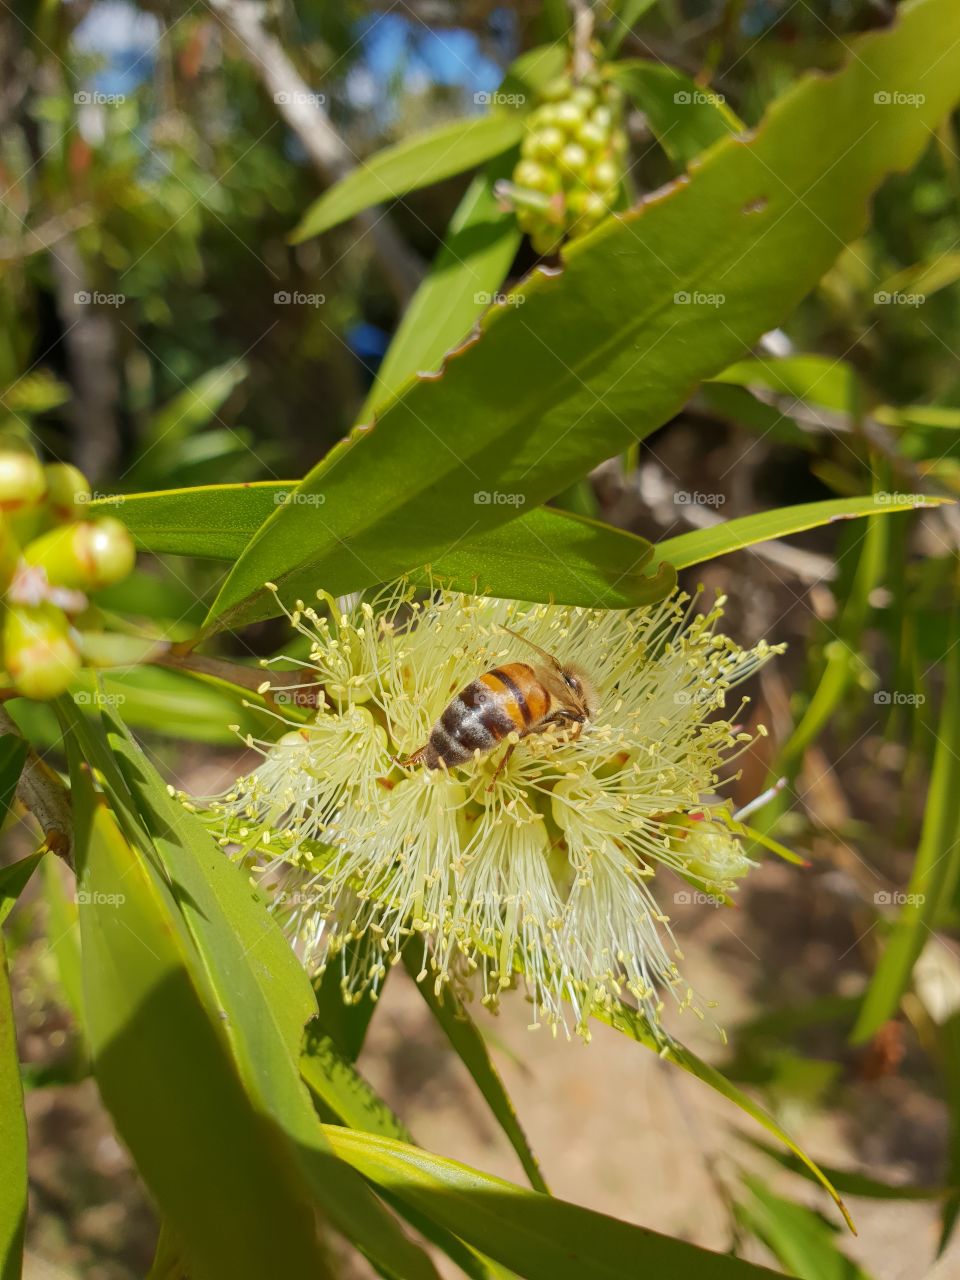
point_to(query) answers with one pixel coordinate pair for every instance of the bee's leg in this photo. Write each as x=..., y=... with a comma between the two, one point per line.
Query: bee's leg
x=500, y=767
x=413, y=760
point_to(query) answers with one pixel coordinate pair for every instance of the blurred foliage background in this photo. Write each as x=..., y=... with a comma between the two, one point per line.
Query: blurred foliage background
x=160, y=331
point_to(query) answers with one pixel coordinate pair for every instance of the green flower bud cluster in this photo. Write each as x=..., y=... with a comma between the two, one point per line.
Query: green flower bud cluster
x=51, y=555
x=572, y=157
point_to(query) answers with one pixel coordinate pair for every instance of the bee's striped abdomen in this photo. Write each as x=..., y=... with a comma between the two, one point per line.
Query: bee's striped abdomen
x=507, y=700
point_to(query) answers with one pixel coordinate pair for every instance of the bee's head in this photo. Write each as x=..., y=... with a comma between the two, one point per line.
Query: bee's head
x=580, y=688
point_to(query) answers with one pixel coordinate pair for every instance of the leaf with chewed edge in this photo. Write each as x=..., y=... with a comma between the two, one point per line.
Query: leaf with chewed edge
x=607, y=349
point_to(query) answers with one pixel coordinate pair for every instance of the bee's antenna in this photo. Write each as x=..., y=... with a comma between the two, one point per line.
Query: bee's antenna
x=536, y=648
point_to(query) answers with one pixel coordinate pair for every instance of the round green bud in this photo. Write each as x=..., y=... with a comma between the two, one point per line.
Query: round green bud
x=569, y=116
x=551, y=141
x=584, y=97
x=84, y=556
x=574, y=158
x=557, y=89
x=595, y=206
x=545, y=115
x=534, y=177
x=618, y=143
x=39, y=654
x=22, y=482
x=575, y=202
x=604, y=175
x=592, y=136
x=111, y=551
x=602, y=117
x=67, y=491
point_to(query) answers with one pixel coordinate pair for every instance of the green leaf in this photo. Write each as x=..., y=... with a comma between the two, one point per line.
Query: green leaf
x=685, y=117
x=13, y=753
x=13, y=1148
x=819, y=380
x=466, y=274
x=165, y=1072
x=170, y=703
x=63, y=937
x=14, y=878
x=746, y=531
x=605, y=351
x=537, y=1236
x=949, y=1046
x=480, y=244
x=935, y=870
x=587, y=562
x=850, y=1182
x=416, y=162
x=800, y=1238
x=466, y=1040
x=197, y=977
x=345, y=1024
x=633, y=1025
x=180, y=421
x=344, y=1093
x=626, y=15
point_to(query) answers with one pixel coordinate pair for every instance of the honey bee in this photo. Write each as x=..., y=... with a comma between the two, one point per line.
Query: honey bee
x=515, y=698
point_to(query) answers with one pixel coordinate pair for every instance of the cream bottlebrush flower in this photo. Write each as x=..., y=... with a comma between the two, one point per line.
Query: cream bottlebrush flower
x=544, y=868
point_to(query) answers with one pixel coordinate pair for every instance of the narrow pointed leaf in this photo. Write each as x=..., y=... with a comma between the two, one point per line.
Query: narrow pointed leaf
x=538, y=1236
x=13, y=1147
x=14, y=879
x=632, y=1024
x=685, y=117
x=798, y=1237
x=478, y=248
x=416, y=162
x=244, y=977
x=462, y=1032
x=544, y=555
x=480, y=244
x=936, y=870
x=165, y=1073
x=720, y=539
